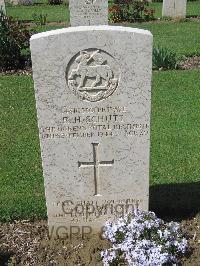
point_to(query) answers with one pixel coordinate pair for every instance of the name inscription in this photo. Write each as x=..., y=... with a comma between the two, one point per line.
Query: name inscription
x=88, y=11
x=94, y=122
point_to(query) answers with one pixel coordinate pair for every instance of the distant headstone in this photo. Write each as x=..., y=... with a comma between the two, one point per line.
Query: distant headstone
x=2, y=6
x=93, y=89
x=174, y=8
x=22, y=2
x=88, y=12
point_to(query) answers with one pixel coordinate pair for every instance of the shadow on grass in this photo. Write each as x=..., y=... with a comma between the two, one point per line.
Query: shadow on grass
x=192, y=16
x=175, y=201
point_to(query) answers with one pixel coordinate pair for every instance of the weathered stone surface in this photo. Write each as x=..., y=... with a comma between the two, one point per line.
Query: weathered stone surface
x=93, y=89
x=2, y=6
x=22, y=2
x=174, y=8
x=88, y=12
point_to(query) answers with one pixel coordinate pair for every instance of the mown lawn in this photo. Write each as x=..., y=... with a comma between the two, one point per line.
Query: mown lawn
x=61, y=12
x=181, y=37
x=175, y=145
x=56, y=13
x=21, y=189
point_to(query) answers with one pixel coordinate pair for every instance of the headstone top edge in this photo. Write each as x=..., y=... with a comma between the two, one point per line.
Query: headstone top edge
x=89, y=28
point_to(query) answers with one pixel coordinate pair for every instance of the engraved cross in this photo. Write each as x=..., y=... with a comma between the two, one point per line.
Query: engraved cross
x=96, y=164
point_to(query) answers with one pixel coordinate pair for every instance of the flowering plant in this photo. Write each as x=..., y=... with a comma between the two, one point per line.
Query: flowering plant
x=114, y=14
x=149, y=14
x=131, y=11
x=142, y=239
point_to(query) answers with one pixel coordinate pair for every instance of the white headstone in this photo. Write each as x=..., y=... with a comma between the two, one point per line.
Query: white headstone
x=93, y=89
x=22, y=2
x=2, y=6
x=88, y=12
x=174, y=8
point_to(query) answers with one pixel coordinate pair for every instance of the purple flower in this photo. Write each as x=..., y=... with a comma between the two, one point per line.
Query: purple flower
x=142, y=239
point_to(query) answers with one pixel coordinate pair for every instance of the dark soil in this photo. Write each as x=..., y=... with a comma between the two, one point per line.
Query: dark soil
x=160, y=21
x=27, y=243
x=192, y=228
x=27, y=71
x=190, y=63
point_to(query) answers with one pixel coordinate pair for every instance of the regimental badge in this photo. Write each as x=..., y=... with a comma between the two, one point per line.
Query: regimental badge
x=92, y=75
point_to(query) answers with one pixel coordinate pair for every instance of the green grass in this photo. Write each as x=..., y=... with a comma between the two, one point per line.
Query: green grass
x=21, y=190
x=55, y=13
x=174, y=145
x=175, y=129
x=61, y=12
x=181, y=37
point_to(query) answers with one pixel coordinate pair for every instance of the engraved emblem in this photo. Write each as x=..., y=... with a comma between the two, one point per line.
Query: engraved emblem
x=92, y=75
